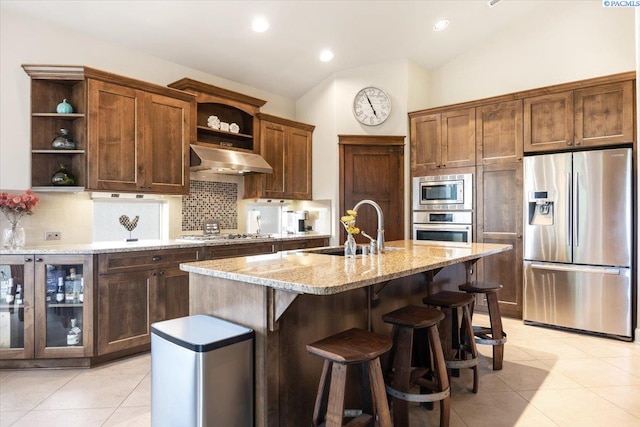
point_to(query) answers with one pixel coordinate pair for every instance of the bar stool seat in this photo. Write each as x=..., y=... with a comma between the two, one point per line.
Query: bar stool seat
x=354, y=346
x=402, y=373
x=493, y=335
x=458, y=342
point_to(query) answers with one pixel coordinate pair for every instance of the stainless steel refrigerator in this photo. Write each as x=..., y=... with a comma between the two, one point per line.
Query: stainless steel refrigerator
x=578, y=241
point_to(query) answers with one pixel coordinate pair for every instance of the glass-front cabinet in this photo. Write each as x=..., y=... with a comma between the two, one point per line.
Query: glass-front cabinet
x=46, y=306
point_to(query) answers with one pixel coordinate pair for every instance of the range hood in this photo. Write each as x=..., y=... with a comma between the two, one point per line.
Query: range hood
x=219, y=160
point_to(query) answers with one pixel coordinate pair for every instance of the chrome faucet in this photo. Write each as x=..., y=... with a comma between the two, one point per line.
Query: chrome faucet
x=380, y=238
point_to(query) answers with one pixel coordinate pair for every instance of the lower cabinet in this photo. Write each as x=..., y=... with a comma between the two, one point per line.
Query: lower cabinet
x=46, y=307
x=293, y=244
x=136, y=289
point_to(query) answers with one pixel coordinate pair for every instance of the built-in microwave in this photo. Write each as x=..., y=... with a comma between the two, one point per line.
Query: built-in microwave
x=443, y=192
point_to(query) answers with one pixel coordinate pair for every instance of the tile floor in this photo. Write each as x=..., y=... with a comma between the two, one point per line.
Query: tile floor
x=550, y=378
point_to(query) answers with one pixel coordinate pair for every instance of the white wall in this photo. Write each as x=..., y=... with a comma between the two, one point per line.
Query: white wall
x=329, y=107
x=26, y=41
x=573, y=41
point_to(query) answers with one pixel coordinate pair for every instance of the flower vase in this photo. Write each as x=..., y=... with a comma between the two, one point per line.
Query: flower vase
x=350, y=247
x=14, y=236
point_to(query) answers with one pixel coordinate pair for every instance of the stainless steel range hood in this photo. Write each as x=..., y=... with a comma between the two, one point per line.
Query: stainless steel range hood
x=219, y=160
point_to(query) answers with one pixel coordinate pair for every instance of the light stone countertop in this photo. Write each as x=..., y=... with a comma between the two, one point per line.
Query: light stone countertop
x=309, y=272
x=144, y=245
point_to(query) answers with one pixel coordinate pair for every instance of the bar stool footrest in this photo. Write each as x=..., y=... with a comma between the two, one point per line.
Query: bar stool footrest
x=483, y=336
x=418, y=397
x=461, y=364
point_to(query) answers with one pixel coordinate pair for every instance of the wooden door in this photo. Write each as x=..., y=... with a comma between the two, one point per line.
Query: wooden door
x=426, y=136
x=500, y=221
x=273, y=150
x=372, y=167
x=123, y=310
x=499, y=132
x=298, y=164
x=458, y=138
x=17, y=321
x=51, y=316
x=113, y=137
x=167, y=125
x=548, y=122
x=604, y=115
x=173, y=294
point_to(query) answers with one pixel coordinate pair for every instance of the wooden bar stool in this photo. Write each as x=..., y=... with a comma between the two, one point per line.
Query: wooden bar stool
x=494, y=335
x=354, y=346
x=457, y=337
x=403, y=373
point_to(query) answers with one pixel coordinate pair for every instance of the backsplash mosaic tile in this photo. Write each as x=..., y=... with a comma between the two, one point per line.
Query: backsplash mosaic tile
x=210, y=200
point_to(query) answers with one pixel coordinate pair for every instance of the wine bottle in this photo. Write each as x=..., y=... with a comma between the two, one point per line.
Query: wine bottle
x=81, y=295
x=69, y=285
x=19, y=297
x=60, y=290
x=74, y=335
x=9, y=297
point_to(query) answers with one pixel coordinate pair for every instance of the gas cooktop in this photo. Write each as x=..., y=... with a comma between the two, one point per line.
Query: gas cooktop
x=212, y=237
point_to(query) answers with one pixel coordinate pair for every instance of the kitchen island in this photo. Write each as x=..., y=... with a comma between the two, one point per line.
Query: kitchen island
x=293, y=298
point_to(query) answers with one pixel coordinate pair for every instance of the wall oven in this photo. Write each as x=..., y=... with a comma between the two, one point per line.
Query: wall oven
x=443, y=192
x=443, y=226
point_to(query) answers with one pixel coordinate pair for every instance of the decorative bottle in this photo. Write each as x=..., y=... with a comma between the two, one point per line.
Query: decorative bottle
x=74, y=335
x=60, y=290
x=63, y=177
x=63, y=141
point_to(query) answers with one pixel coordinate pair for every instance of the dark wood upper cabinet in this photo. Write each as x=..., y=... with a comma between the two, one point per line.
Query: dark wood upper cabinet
x=499, y=132
x=590, y=116
x=548, y=122
x=139, y=141
x=604, y=114
x=443, y=140
x=286, y=145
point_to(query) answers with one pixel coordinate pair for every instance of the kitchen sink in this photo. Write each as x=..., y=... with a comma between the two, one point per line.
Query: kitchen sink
x=339, y=250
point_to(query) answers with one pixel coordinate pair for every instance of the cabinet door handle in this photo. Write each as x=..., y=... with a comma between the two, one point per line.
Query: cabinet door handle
x=28, y=260
x=161, y=273
x=39, y=259
x=156, y=258
x=153, y=273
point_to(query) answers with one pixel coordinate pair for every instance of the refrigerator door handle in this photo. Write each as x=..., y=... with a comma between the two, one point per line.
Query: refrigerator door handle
x=576, y=215
x=575, y=268
x=569, y=212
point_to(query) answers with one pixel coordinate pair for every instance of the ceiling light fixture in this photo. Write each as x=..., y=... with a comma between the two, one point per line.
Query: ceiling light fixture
x=441, y=25
x=326, y=55
x=259, y=24
x=492, y=3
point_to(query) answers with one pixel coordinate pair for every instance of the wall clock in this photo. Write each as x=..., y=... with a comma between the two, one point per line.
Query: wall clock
x=371, y=106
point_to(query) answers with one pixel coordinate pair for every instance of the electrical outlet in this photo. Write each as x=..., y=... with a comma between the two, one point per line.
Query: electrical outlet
x=52, y=235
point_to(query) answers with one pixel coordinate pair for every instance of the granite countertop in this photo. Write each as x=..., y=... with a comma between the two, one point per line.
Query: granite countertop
x=143, y=245
x=312, y=272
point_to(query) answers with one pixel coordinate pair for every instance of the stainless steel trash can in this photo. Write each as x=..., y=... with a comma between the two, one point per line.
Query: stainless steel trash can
x=201, y=373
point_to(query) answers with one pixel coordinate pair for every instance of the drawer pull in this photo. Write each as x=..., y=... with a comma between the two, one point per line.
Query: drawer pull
x=156, y=258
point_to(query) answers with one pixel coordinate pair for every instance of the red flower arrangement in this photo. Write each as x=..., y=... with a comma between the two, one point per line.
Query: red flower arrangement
x=14, y=206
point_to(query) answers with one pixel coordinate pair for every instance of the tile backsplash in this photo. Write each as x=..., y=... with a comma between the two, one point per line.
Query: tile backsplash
x=210, y=200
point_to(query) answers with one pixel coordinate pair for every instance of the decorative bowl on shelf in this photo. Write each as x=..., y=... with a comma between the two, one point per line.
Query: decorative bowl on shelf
x=234, y=128
x=224, y=126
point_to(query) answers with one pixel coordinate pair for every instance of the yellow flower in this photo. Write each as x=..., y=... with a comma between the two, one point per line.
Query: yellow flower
x=347, y=218
x=352, y=213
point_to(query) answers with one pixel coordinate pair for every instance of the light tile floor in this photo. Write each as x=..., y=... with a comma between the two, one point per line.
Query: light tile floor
x=550, y=378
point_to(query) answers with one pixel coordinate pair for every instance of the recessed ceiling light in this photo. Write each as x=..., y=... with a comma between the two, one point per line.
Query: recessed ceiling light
x=259, y=24
x=492, y=3
x=326, y=55
x=441, y=25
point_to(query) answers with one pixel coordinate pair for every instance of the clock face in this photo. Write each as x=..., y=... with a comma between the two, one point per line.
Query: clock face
x=371, y=106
